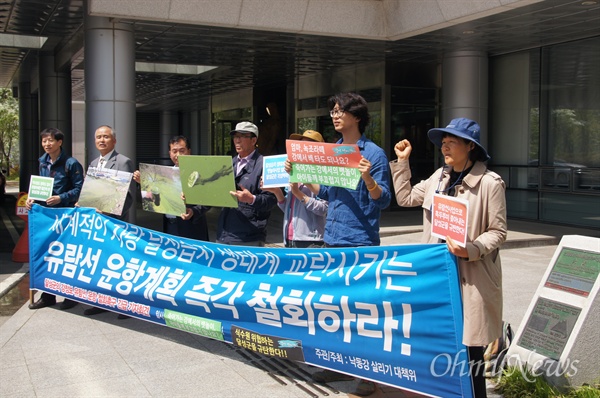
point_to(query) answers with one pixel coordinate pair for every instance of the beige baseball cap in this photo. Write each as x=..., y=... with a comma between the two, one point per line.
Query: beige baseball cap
x=245, y=127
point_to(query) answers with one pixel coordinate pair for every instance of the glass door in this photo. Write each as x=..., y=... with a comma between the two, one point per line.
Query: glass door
x=222, y=139
x=412, y=122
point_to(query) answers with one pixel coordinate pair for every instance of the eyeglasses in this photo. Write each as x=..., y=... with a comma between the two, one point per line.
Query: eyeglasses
x=240, y=136
x=336, y=112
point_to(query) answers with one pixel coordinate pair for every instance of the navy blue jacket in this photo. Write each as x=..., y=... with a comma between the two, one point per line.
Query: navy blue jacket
x=68, y=177
x=247, y=222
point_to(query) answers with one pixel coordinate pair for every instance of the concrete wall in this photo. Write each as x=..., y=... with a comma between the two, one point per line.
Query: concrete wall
x=370, y=19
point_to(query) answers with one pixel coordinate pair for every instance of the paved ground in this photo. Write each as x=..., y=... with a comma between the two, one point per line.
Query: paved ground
x=54, y=353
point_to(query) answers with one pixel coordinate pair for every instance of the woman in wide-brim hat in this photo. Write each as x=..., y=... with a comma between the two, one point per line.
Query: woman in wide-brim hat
x=465, y=176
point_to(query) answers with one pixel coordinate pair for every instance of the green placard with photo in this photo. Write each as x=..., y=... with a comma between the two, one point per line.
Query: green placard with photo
x=161, y=189
x=207, y=180
x=40, y=188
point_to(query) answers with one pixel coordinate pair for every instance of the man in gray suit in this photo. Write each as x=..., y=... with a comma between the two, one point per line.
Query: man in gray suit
x=106, y=139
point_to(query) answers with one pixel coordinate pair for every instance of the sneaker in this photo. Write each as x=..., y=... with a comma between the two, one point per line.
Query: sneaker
x=327, y=376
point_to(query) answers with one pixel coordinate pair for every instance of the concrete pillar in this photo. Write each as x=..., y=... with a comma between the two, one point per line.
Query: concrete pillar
x=55, y=99
x=109, y=83
x=194, y=131
x=205, y=133
x=465, y=88
x=169, y=127
x=29, y=135
x=110, y=86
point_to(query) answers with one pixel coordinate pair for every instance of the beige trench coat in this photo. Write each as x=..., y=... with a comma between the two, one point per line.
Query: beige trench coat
x=480, y=274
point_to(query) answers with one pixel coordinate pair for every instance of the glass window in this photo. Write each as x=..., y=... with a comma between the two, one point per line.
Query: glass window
x=223, y=123
x=573, y=99
x=373, y=129
x=327, y=130
x=545, y=130
x=573, y=144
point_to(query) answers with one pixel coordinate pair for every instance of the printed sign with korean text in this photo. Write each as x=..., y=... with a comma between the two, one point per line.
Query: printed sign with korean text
x=40, y=188
x=449, y=217
x=274, y=174
x=324, y=163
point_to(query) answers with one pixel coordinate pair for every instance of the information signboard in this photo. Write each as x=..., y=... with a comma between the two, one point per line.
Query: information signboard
x=558, y=338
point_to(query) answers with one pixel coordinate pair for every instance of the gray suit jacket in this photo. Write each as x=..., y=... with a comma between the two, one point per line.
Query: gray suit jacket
x=121, y=163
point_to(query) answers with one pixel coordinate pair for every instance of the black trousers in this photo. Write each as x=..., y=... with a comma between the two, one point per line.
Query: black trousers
x=303, y=244
x=477, y=371
x=48, y=298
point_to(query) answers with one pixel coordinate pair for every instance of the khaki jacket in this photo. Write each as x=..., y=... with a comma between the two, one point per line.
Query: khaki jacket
x=480, y=274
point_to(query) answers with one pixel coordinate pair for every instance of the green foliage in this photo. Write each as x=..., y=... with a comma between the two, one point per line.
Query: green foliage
x=306, y=123
x=521, y=383
x=9, y=130
x=586, y=392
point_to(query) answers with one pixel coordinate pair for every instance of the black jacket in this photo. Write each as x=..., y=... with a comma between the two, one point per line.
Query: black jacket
x=194, y=228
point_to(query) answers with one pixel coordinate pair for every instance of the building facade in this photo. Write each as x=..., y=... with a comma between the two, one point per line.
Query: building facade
x=527, y=70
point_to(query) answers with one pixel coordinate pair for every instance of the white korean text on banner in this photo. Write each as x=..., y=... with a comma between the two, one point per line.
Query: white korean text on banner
x=391, y=314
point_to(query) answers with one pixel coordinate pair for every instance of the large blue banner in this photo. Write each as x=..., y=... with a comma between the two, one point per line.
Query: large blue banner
x=391, y=314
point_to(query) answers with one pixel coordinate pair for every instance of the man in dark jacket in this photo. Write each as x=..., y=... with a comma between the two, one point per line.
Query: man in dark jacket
x=246, y=224
x=191, y=224
x=68, y=180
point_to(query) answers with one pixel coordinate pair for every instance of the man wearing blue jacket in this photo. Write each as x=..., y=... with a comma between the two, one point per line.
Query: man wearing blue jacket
x=68, y=180
x=246, y=224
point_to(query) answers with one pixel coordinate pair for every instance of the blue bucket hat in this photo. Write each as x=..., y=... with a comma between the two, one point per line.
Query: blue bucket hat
x=461, y=127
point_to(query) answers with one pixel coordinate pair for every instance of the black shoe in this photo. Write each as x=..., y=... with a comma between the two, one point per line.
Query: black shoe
x=123, y=316
x=94, y=311
x=41, y=303
x=66, y=304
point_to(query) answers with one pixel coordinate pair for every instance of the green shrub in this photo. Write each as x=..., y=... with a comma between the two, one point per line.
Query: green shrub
x=521, y=383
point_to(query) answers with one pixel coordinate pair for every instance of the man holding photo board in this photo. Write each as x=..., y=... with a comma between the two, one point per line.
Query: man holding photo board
x=105, y=139
x=192, y=224
x=246, y=224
